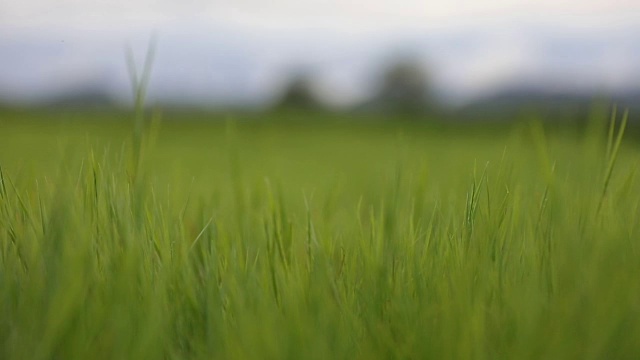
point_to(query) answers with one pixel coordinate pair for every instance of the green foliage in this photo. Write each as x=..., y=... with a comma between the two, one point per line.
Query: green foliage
x=358, y=242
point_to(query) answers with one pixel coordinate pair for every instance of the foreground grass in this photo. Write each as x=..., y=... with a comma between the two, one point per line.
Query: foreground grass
x=308, y=242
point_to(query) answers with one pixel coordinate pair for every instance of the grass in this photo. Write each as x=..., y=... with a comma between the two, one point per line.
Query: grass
x=240, y=240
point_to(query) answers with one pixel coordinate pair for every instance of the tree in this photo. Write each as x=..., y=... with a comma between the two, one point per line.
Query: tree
x=404, y=88
x=299, y=93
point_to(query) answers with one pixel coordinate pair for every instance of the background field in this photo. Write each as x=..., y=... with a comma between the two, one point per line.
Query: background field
x=298, y=235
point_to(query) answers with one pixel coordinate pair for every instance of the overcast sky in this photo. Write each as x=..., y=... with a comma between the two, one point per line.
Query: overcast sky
x=354, y=14
x=228, y=49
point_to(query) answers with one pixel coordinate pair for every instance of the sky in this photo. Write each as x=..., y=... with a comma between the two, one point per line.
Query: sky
x=355, y=14
x=243, y=51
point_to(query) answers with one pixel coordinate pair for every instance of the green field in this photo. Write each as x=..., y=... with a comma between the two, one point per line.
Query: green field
x=251, y=238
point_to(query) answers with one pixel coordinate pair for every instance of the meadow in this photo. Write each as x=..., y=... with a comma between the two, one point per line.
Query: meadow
x=250, y=238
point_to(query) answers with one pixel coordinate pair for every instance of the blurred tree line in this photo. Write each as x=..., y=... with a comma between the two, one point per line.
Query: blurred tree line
x=403, y=88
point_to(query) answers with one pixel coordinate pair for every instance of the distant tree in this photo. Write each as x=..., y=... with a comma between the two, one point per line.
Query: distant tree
x=404, y=88
x=299, y=93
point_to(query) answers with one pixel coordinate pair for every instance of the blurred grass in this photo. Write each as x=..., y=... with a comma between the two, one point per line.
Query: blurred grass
x=315, y=239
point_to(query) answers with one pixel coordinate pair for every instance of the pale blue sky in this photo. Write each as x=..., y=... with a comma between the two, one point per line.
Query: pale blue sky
x=242, y=50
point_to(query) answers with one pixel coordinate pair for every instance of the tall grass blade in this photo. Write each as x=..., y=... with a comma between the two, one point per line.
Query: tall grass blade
x=612, y=159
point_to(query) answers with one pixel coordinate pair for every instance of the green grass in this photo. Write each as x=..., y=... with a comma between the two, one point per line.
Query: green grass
x=238, y=240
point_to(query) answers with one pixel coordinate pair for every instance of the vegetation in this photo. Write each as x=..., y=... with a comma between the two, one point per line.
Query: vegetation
x=404, y=89
x=239, y=240
x=300, y=94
